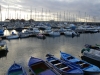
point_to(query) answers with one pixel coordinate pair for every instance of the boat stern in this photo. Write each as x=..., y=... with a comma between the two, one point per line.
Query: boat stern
x=94, y=70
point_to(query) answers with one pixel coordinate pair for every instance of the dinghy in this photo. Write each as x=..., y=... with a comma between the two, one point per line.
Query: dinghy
x=16, y=69
x=40, y=67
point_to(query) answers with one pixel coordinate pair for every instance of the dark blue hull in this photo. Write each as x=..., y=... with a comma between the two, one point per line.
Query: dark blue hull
x=39, y=67
x=16, y=69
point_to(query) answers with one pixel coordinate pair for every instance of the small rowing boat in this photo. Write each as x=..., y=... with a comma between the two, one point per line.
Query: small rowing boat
x=40, y=67
x=62, y=67
x=16, y=69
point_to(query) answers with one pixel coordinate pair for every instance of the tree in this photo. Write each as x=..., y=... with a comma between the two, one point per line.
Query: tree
x=31, y=20
x=12, y=20
x=22, y=20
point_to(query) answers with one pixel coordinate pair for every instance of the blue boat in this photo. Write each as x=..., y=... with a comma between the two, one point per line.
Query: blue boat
x=40, y=67
x=85, y=66
x=62, y=67
x=1, y=32
x=16, y=69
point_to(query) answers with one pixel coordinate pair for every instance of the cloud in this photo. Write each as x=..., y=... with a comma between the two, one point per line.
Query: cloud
x=90, y=7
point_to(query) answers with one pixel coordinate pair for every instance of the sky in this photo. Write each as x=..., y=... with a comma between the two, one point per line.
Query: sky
x=75, y=10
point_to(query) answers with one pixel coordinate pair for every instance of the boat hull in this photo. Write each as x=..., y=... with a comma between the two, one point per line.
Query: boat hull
x=97, y=63
x=91, y=73
x=12, y=37
x=85, y=66
x=39, y=67
x=62, y=67
x=92, y=55
x=16, y=69
x=41, y=36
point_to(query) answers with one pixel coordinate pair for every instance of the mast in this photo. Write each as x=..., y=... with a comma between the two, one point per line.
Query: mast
x=60, y=17
x=57, y=16
x=8, y=11
x=31, y=13
x=68, y=17
x=85, y=18
x=15, y=13
x=35, y=13
x=64, y=15
x=73, y=18
x=38, y=16
x=49, y=16
x=54, y=16
x=46, y=15
x=27, y=16
x=42, y=15
x=20, y=14
x=0, y=14
x=80, y=17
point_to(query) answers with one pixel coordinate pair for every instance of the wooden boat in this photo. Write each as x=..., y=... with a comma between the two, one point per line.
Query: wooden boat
x=91, y=53
x=85, y=66
x=16, y=69
x=63, y=67
x=39, y=67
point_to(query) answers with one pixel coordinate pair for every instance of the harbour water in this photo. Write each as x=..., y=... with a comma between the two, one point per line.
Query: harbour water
x=20, y=50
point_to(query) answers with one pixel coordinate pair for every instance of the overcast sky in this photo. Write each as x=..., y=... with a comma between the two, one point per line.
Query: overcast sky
x=88, y=7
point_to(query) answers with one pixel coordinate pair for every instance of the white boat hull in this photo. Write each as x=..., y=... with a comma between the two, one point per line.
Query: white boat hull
x=54, y=33
x=93, y=54
x=12, y=37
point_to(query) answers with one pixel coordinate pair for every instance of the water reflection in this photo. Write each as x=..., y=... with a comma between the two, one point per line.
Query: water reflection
x=20, y=50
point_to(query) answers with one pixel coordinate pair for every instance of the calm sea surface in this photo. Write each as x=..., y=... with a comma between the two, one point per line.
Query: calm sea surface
x=20, y=50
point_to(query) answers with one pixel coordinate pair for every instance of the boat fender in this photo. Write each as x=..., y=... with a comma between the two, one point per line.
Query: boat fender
x=83, y=50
